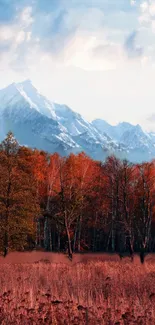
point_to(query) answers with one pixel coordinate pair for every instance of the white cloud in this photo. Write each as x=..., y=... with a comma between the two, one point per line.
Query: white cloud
x=147, y=15
x=79, y=52
x=152, y=9
x=19, y=31
x=144, y=18
x=26, y=17
x=144, y=60
x=133, y=3
x=6, y=33
x=144, y=6
x=28, y=36
x=90, y=19
x=90, y=70
x=13, y=36
x=20, y=37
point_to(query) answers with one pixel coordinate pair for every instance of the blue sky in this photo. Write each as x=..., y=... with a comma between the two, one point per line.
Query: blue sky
x=97, y=56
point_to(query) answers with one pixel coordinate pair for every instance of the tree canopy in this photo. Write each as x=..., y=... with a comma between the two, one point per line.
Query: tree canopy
x=74, y=203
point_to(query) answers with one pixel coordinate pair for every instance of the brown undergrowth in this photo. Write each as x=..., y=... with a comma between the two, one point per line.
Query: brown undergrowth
x=95, y=292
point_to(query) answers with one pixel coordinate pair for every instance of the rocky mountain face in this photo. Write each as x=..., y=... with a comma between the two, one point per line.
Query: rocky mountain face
x=39, y=123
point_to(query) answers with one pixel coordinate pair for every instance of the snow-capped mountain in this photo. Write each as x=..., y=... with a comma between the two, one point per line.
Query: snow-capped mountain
x=140, y=145
x=85, y=134
x=77, y=124
x=31, y=117
x=13, y=93
x=115, y=132
x=39, y=123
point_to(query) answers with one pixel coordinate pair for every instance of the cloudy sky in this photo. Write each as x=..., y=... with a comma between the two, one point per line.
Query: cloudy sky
x=97, y=56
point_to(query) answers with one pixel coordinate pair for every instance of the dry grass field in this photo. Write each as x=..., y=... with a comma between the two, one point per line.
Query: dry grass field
x=98, y=289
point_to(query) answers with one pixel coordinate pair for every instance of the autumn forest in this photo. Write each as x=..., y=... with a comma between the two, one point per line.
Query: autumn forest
x=74, y=204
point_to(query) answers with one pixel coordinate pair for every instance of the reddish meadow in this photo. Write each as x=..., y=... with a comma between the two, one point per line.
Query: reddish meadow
x=91, y=291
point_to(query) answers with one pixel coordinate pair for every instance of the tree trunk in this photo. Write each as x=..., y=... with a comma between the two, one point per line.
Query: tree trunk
x=46, y=234
x=70, y=253
x=108, y=241
x=59, y=241
x=69, y=245
x=142, y=253
x=38, y=235
x=94, y=239
x=39, y=239
x=113, y=234
x=131, y=245
x=75, y=236
x=50, y=239
x=5, y=243
x=79, y=234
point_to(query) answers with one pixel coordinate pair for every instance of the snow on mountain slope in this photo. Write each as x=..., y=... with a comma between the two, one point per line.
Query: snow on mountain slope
x=38, y=122
x=140, y=145
x=75, y=124
x=13, y=94
x=32, y=119
x=72, y=121
x=115, y=132
x=104, y=127
x=135, y=137
x=99, y=148
x=85, y=134
x=131, y=136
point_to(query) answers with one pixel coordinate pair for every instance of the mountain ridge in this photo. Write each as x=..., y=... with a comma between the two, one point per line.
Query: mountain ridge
x=40, y=123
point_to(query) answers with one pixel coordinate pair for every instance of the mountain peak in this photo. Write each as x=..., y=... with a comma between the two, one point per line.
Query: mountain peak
x=27, y=81
x=27, y=92
x=40, y=123
x=124, y=124
x=26, y=84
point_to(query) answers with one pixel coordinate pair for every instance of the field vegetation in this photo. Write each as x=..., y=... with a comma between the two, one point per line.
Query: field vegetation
x=94, y=290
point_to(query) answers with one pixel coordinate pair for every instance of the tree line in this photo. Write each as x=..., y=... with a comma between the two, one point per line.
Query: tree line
x=74, y=203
